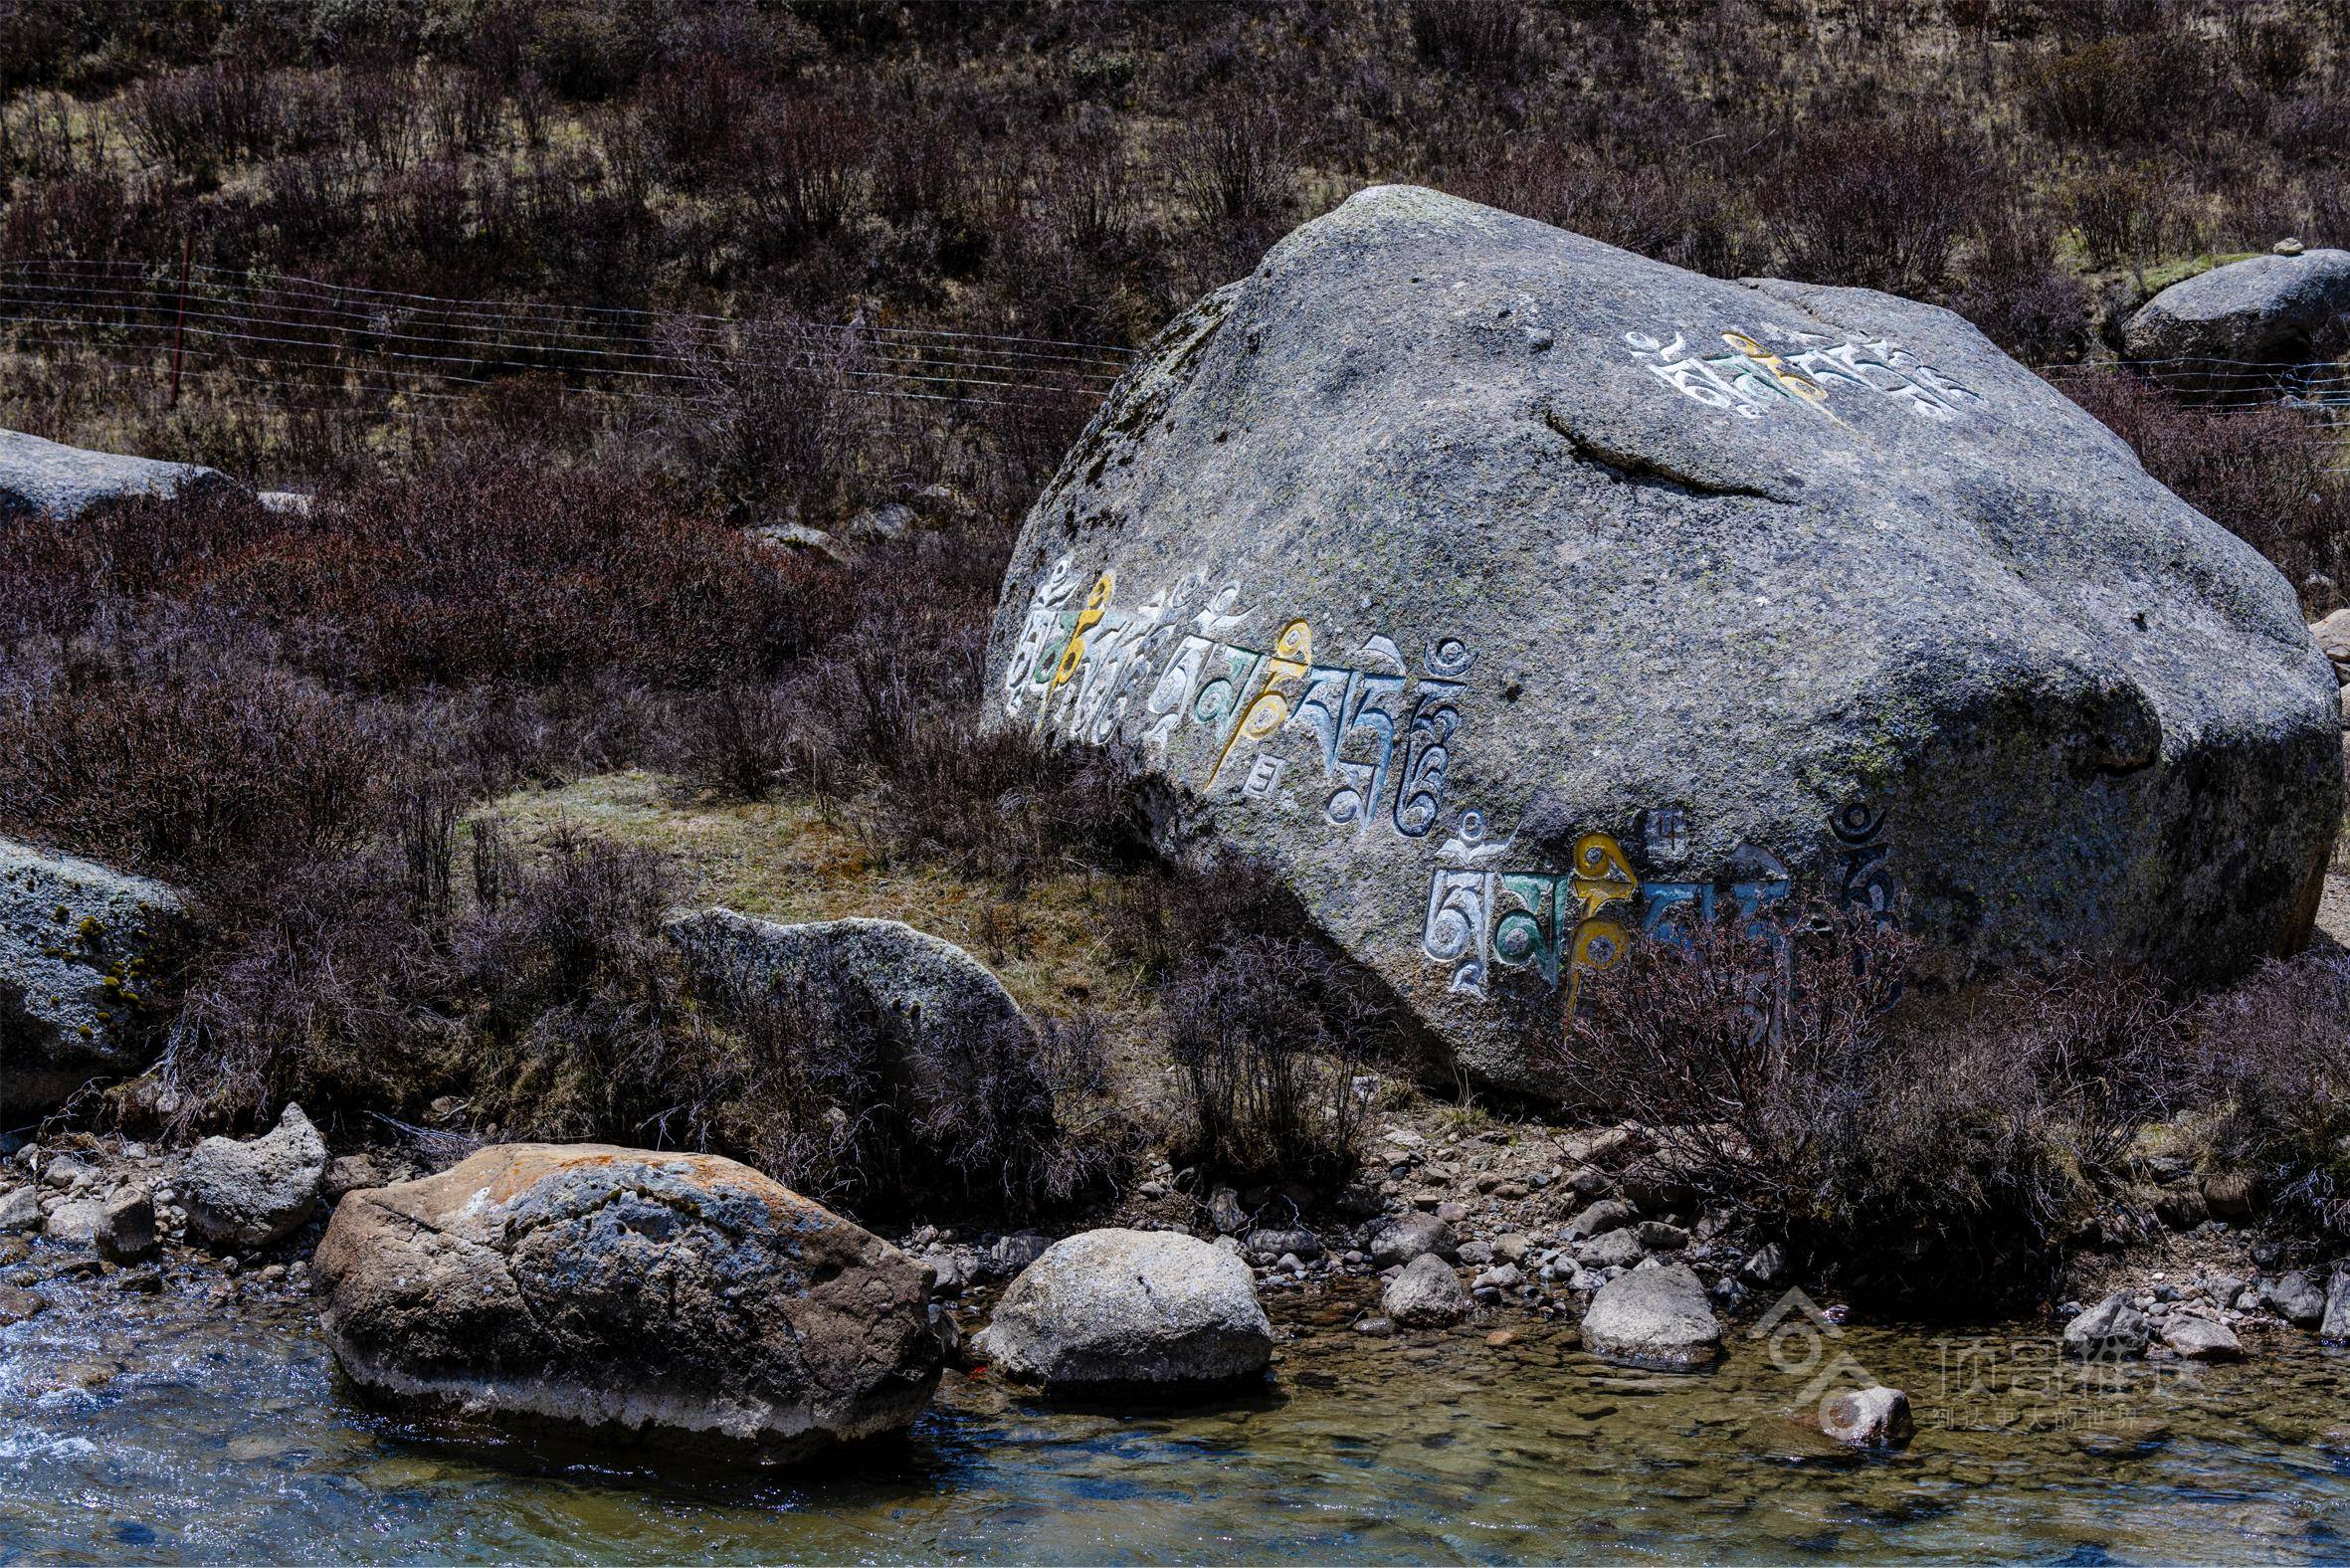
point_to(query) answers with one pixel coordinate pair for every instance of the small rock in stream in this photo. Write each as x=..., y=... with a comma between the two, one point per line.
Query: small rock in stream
x=1876, y=1417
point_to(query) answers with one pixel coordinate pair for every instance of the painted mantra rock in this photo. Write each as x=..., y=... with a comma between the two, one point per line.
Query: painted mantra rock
x=1516, y=599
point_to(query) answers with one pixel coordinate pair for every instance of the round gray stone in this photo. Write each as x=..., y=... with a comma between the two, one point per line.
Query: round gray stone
x=1116, y=1309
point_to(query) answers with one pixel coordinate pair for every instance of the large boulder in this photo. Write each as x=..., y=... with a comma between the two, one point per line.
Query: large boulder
x=1512, y=598
x=1654, y=1317
x=929, y=1062
x=2265, y=309
x=1116, y=1309
x=79, y=947
x=244, y=1196
x=624, y=1293
x=49, y=480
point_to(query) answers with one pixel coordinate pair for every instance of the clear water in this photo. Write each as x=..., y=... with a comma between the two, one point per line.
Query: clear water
x=208, y=1432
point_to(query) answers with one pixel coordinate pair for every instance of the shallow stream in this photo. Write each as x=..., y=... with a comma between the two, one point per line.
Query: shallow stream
x=174, y=1428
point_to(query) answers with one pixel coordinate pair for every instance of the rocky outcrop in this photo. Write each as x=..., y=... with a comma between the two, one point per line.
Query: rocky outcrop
x=79, y=947
x=1513, y=599
x=1426, y=1295
x=45, y=478
x=625, y=1293
x=2265, y=309
x=1117, y=1308
x=934, y=1059
x=244, y=1196
x=1654, y=1317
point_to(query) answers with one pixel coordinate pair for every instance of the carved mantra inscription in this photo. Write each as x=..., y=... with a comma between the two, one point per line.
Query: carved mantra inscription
x=1173, y=662
x=1785, y=369
x=1383, y=733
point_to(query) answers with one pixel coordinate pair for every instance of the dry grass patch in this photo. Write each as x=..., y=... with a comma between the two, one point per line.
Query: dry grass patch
x=791, y=860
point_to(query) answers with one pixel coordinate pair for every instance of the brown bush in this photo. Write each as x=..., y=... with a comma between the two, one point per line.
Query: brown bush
x=1476, y=36
x=1942, y=1163
x=481, y=568
x=2261, y=473
x=2274, y=1057
x=1268, y=1026
x=202, y=121
x=214, y=766
x=1879, y=206
x=2137, y=88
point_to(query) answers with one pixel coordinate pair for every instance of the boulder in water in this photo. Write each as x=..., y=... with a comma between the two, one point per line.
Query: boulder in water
x=1118, y=1308
x=2113, y=1330
x=626, y=1292
x=1654, y=1317
x=1426, y=1295
x=1876, y=1417
x=2200, y=1339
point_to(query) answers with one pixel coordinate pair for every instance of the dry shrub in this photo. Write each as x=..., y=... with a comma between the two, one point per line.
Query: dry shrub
x=203, y=765
x=1480, y=37
x=479, y=568
x=2019, y=296
x=2135, y=89
x=203, y=120
x=2274, y=1056
x=804, y=169
x=1267, y=1025
x=2261, y=473
x=2123, y=215
x=894, y=712
x=786, y=415
x=1879, y=206
x=1943, y=1163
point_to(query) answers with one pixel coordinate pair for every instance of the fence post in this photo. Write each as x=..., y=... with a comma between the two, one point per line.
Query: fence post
x=179, y=319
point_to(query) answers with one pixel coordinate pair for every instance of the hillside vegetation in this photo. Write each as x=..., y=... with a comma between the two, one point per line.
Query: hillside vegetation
x=437, y=754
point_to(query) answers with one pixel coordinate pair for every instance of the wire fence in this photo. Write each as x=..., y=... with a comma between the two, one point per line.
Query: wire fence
x=2318, y=390
x=300, y=338
x=309, y=345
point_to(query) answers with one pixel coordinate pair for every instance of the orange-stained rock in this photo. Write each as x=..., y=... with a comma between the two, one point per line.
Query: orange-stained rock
x=631, y=1294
